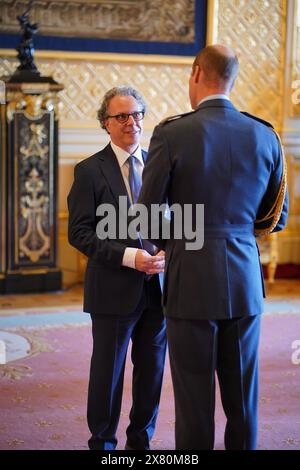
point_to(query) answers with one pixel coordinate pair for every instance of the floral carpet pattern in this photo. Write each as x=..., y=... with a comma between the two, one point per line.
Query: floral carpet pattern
x=44, y=367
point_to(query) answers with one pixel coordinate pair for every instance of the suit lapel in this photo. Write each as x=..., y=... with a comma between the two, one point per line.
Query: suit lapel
x=112, y=173
x=113, y=176
x=144, y=155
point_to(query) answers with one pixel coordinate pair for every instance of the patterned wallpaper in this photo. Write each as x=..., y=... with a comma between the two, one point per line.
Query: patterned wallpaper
x=254, y=28
x=164, y=86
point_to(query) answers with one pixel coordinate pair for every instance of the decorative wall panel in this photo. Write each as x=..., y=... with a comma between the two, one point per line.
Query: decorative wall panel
x=31, y=174
x=34, y=212
x=164, y=86
x=256, y=30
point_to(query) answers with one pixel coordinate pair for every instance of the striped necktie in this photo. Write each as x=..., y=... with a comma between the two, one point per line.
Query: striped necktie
x=135, y=183
x=134, y=178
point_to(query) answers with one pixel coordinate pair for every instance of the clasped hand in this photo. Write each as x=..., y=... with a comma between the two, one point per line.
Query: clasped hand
x=150, y=264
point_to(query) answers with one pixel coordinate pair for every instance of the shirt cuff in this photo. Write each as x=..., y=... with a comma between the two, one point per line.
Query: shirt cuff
x=129, y=257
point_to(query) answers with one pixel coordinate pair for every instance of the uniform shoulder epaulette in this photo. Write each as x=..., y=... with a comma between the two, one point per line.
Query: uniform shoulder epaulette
x=175, y=117
x=256, y=118
x=266, y=224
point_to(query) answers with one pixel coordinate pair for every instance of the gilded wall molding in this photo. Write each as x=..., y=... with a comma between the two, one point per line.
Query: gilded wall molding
x=212, y=21
x=138, y=20
x=295, y=65
x=104, y=57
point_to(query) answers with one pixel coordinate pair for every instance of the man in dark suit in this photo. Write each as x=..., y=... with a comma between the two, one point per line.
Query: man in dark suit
x=122, y=291
x=213, y=297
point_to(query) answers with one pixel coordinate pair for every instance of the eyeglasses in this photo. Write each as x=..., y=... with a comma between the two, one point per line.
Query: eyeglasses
x=122, y=118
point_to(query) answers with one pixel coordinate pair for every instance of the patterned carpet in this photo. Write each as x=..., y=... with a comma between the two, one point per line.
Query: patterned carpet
x=44, y=381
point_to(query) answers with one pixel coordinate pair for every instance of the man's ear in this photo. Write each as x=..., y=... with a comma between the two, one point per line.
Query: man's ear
x=196, y=73
x=106, y=126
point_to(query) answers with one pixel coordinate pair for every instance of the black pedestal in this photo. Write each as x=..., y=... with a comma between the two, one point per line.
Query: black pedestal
x=24, y=283
x=28, y=185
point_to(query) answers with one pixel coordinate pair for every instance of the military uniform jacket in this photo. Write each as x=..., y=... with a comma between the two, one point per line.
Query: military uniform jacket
x=232, y=164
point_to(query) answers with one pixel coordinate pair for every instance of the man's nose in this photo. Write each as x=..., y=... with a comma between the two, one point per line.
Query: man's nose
x=130, y=120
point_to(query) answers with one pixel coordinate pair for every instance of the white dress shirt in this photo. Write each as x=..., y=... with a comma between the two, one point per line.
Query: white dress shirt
x=218, y=96
x=122, y=157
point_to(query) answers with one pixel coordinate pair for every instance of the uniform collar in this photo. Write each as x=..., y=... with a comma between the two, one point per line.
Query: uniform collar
x=218, y=96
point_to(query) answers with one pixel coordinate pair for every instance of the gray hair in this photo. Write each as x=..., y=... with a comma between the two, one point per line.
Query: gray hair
x=102, y=112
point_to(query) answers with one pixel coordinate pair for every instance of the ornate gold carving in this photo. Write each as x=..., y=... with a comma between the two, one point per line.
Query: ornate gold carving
x=34, y=106
x=31, y=123
x=16, y=102
x=138, y=20
x=34, y=237
x=35, y=146
x=255, y=29
x=34, y=243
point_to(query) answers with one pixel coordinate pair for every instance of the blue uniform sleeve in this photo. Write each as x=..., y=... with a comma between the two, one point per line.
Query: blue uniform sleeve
x=272, y=193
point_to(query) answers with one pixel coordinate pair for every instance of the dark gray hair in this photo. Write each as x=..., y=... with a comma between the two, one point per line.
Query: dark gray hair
x=102, y=112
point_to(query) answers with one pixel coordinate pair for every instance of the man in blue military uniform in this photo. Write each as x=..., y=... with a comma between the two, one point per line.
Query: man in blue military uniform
x=213, y=297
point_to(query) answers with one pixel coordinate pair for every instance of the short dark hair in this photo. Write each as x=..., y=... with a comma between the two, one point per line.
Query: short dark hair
x=218, y=66
x=102, y=112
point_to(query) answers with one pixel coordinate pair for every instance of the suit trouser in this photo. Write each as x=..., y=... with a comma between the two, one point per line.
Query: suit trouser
x=198, y=349
x=111, y=336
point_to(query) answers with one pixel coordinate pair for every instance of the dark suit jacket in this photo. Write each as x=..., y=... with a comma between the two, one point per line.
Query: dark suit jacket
x=231, y=163
x=109, y=287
